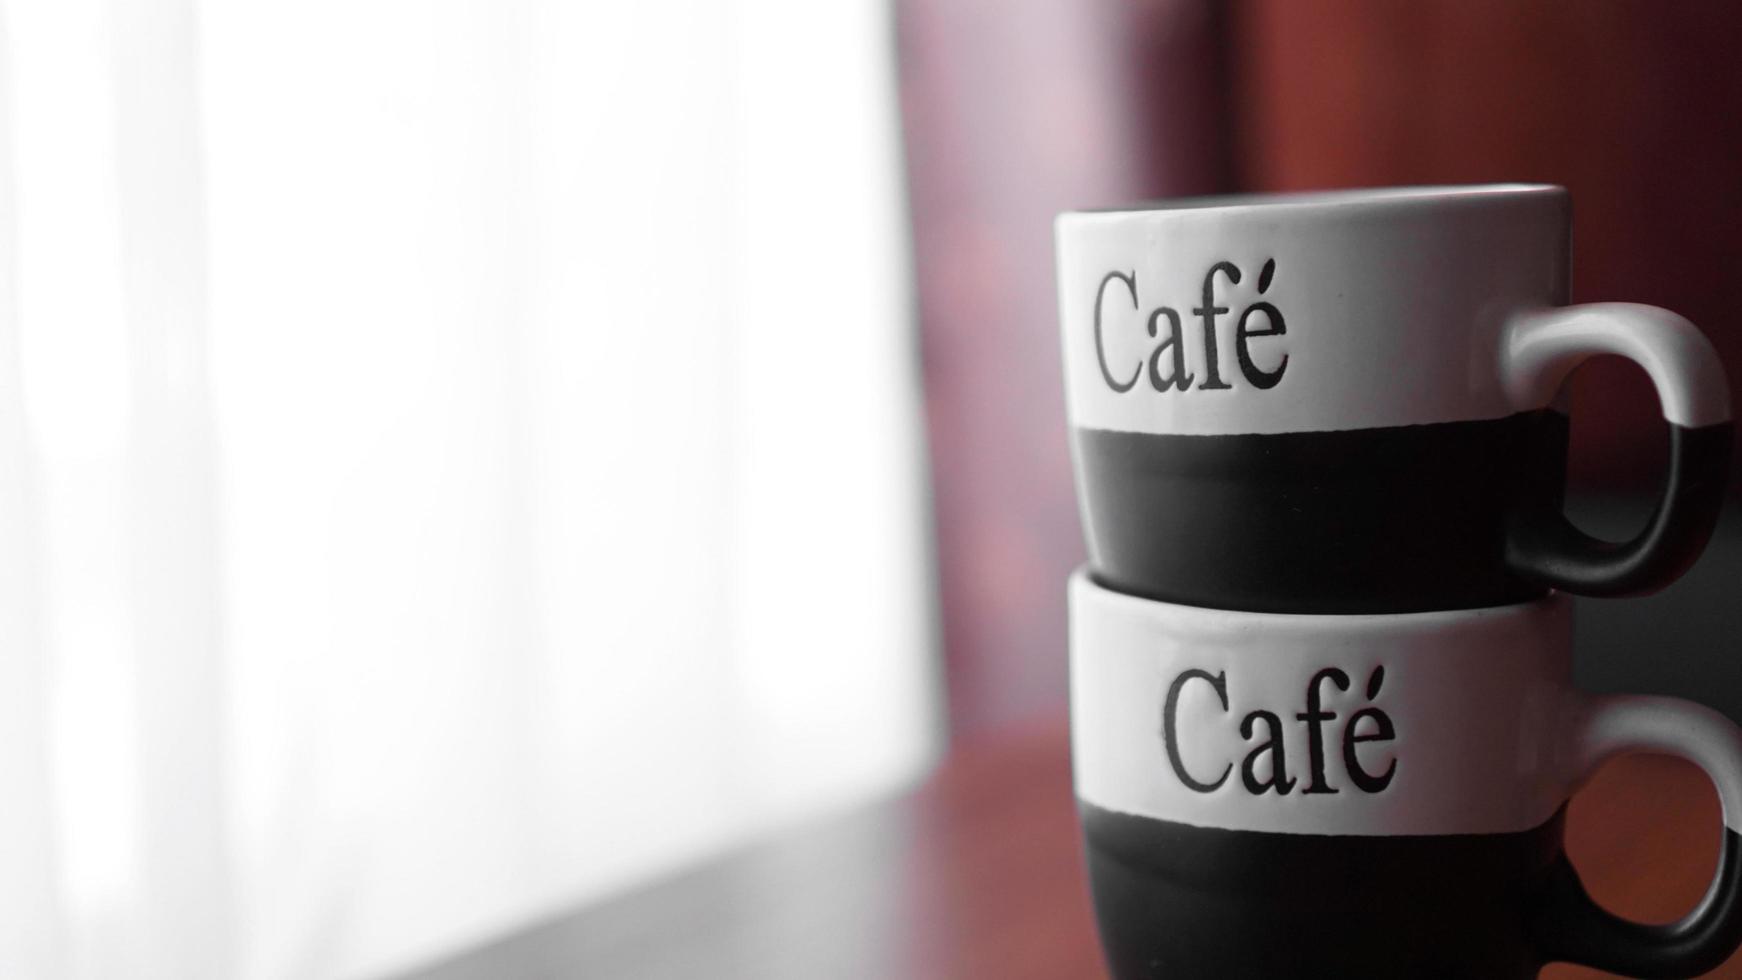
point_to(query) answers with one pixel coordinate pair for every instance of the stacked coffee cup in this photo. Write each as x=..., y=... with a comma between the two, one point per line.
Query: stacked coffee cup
x=1322, y=718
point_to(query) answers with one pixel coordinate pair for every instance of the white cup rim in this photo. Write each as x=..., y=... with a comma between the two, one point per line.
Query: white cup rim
x=1360, y=198
x=1188, y=619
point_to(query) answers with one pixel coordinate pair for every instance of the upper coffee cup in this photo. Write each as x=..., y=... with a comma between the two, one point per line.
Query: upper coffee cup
x=1349, y=402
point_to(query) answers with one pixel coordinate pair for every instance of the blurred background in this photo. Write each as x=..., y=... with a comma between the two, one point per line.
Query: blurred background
x=463, y=459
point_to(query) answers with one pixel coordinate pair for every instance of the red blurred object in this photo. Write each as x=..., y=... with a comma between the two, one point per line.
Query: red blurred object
x=1016, y=110
x=1632, y=106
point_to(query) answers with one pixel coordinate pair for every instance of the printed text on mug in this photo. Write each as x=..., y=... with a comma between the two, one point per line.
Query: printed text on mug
x=1369, y=724
x=1166, y=367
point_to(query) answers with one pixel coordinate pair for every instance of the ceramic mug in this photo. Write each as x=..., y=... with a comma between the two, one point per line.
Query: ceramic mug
x=1285, y=795
x=1347, y=402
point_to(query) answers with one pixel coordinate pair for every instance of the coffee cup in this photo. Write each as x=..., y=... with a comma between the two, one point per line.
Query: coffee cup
x=1288, y=795
x=1350, y=402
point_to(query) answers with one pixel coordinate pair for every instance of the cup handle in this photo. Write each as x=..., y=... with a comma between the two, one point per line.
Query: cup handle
x=1568, y=926
x=1540, y=348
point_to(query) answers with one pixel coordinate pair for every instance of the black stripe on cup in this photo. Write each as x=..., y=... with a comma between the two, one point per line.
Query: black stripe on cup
x=1177, y=901
x=1180, y=901
x=1452, y=515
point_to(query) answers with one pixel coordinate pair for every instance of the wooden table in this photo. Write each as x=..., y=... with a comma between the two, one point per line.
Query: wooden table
x=976, y=874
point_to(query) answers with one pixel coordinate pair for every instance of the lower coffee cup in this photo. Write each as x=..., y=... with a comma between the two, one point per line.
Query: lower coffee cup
x=1287, y=795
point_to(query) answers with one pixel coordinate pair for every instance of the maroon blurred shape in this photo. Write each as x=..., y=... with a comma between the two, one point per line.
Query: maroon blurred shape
x=1634, y=106
x=1015, y=110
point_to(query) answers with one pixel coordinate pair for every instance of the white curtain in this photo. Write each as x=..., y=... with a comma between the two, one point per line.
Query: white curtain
x=457, y=458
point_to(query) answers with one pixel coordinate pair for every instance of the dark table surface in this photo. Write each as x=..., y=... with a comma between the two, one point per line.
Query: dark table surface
x=976, y=874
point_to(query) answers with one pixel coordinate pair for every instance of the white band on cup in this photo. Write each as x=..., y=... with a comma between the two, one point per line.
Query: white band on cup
x=1303, y=313
x=1414, y=724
